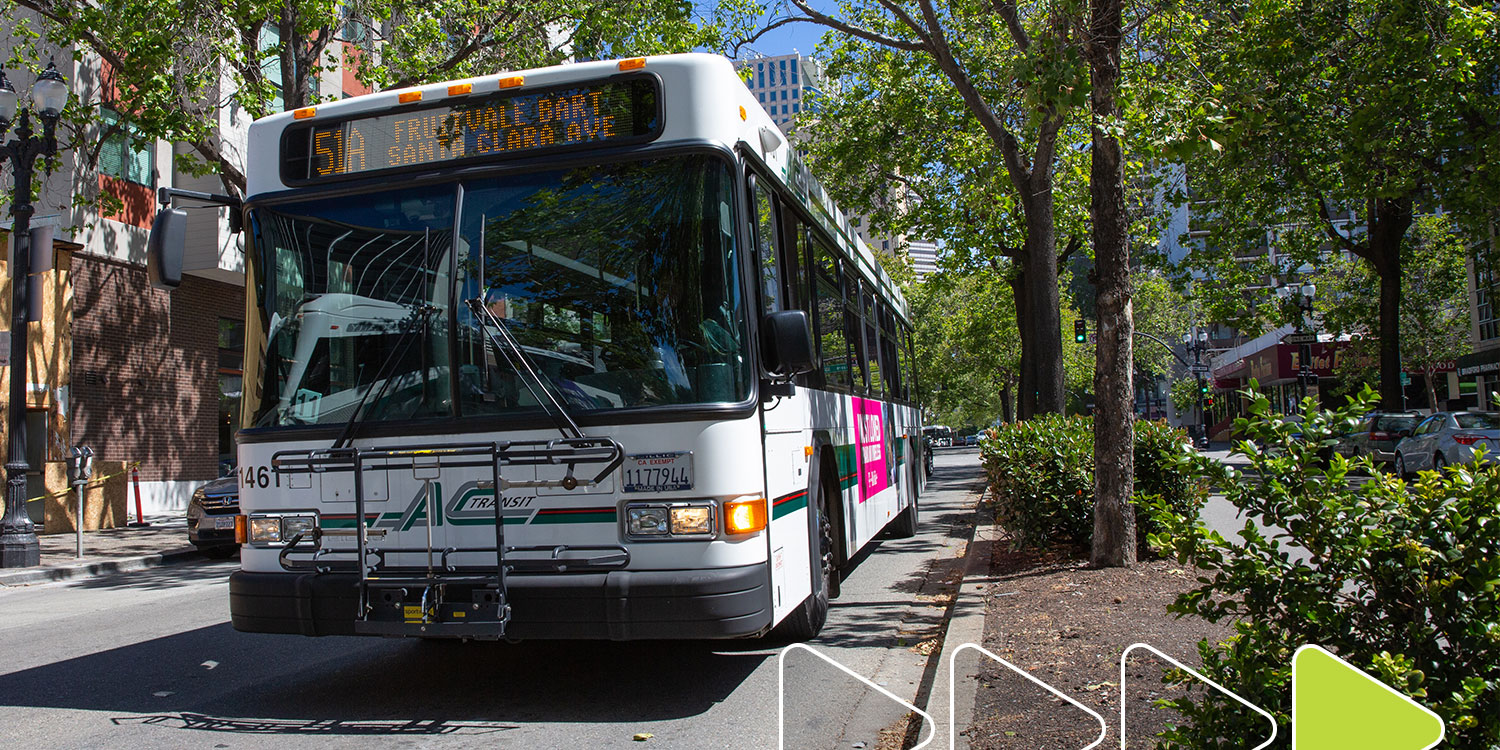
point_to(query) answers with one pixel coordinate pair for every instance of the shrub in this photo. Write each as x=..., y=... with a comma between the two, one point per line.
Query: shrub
x=1399, y=580
x=1041, y=473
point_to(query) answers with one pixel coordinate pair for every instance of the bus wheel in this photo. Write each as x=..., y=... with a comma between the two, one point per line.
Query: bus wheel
x=808, y=619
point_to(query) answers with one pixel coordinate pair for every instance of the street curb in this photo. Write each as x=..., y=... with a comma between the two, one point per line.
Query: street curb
x=95, y=569
x=965, y=626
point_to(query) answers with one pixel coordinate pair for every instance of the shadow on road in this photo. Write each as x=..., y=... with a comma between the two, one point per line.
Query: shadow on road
x=215, y=679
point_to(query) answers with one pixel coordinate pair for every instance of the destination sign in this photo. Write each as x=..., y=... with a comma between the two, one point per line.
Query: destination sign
x=504, y=125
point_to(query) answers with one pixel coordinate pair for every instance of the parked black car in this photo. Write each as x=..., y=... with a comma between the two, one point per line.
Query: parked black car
x=210, y=517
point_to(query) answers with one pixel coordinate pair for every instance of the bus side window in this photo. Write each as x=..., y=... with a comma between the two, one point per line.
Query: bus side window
x=889, y=363
x=795, y=249
x=833, y=344
x=855, y=328
x=765, y=246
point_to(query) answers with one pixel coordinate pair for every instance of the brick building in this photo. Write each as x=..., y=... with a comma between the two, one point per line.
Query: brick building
x=142, y=376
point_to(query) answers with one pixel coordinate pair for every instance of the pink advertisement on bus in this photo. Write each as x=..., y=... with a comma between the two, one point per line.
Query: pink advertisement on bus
x=869, y=438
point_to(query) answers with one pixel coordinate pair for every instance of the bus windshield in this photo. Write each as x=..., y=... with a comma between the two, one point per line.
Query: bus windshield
x=619, y=281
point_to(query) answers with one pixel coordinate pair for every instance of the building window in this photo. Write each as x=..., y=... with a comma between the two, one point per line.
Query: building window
x=231, y=383
x=126, y=154
x=794, y=75
x=1484, y=295
x=795, y=108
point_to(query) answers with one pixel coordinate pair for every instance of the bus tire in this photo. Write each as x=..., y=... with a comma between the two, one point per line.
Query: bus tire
x=807, y=620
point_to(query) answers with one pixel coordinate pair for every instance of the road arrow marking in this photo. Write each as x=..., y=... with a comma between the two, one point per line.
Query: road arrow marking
x=952, y=737
x=1336, y=704
x=1123, y=656
x=781, y=694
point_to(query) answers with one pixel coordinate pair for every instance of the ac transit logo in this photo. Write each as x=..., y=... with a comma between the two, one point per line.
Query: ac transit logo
x=470, y=505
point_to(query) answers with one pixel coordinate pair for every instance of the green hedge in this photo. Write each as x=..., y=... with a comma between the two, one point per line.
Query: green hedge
x=1041, y=475
x=1401, y=580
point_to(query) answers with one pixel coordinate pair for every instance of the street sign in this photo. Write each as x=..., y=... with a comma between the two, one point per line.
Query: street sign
x=1198, y=369
x=1405, y=379
x=1297, y=339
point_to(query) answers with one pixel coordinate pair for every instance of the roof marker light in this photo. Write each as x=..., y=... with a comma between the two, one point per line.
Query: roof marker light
x=634, y=63
x=742, y=113
x=459, y=89
x=407, y=97
x=510, y=82
x=304, y=113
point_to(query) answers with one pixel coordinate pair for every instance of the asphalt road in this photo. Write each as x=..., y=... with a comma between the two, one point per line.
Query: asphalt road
x=149, y=660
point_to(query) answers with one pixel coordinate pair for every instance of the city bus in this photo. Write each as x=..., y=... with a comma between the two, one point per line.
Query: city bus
x=940, y=435
x=575, y=352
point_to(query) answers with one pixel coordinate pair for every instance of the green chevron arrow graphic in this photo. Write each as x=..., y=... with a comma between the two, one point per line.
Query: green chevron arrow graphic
x=1338, y=705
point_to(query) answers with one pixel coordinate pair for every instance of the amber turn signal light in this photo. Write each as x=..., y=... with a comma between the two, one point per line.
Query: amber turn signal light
x=745, y=516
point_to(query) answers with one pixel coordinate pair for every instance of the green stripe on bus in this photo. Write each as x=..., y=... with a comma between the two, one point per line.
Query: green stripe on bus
x=789, y=504
x=346, y=522
x=602, y=516
x=486, y=521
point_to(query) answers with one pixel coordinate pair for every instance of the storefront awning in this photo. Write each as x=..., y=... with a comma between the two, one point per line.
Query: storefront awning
x=1479, y=363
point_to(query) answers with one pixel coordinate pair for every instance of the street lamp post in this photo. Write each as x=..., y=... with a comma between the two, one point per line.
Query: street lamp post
x=1302, y=297
x=18, y=542
x=1196, y=345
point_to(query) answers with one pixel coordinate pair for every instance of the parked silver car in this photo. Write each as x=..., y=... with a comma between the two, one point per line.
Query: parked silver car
x=1377, y=435
x=1447, y=437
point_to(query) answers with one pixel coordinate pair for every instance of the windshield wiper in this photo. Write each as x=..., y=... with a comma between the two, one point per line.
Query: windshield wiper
x=523, y=367
x=408, y=330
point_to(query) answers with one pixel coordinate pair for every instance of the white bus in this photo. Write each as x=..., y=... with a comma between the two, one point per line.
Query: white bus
x=608, y=293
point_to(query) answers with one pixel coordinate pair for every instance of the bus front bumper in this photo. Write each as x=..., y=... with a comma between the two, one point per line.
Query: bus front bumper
x=615, y=605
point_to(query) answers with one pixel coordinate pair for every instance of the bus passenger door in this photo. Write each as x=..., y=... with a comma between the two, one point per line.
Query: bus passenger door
x=785, y=427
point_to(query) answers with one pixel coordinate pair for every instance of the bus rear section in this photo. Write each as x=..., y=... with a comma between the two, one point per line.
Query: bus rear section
x=601, y=540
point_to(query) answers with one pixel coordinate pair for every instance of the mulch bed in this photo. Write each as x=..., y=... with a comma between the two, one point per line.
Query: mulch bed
x=1067, y=625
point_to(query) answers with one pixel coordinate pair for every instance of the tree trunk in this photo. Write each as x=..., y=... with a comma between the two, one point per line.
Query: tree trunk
x=1025, y=392
x=1042, y=302
x=1428, y=375
x=1007, y=411
x=1114, y=543
x=1392, y=217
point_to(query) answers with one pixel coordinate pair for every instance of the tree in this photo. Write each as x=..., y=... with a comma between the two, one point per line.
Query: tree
x=173, y=71
x=1114, y=542
x=967, y=352
x=1434, y=311
x=967, y=101
x=1338, y=123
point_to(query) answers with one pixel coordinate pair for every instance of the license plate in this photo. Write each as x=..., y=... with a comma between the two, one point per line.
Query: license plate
x=659, y=472
x=226, y=522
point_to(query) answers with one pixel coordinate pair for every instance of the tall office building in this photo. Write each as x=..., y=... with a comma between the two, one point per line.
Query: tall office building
x=923, y=256
x=785, y=85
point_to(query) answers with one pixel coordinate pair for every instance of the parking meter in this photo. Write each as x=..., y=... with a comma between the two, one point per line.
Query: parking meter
x=80, y=464
x=80, y=468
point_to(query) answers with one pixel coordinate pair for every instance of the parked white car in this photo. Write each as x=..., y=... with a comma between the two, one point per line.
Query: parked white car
x=1447, y=437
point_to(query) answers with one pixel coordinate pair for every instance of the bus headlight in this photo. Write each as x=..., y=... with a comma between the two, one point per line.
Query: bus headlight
x=293, y=525
x=687, y=520
x=276, y=530
x=647, y=521
x=692, y=519
x=265, y=530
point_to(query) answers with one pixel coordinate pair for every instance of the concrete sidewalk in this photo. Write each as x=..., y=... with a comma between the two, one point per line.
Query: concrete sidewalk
x=108, y=551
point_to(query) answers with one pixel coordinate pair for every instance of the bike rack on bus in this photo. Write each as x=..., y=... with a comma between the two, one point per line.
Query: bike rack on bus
x=427, y=600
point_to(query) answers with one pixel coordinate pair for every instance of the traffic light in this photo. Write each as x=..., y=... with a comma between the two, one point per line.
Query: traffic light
x=1203, y=388
x=1080, y=332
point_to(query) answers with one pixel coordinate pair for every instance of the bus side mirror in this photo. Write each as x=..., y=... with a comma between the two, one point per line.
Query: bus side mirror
x=165, y=248
x=787, y=343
